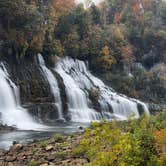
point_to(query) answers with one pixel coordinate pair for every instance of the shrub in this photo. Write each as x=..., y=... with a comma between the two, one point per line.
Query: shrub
x=58, y=138
x=130, y=143
x=43, y=144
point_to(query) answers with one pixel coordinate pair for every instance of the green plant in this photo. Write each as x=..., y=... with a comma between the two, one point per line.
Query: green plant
x=43, y=144
x=60, y=154
x=32, y=163
x=58, y=138
x=128, y=143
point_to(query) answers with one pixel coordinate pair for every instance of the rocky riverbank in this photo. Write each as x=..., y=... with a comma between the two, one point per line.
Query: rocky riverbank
x=54, y=151
x=4, y=128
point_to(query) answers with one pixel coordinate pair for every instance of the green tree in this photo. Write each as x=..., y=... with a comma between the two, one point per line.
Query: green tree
x=96, y=14
x=72, y=44
x=162, y=11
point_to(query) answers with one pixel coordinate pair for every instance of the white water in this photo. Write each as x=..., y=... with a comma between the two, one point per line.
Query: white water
x=77, y=100
x=11, y=113
x=78, y=80
x=53, y=85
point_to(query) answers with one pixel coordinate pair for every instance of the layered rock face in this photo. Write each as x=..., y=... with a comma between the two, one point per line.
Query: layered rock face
x=35, y=92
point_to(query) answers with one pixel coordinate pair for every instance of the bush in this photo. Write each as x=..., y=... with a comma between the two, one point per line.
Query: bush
x=130, y=143
x=58, y=138
x=43, y=144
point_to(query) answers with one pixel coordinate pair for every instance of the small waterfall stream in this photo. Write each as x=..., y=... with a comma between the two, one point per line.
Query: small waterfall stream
x=48, y=75
x=11, y=113
x=14, y=87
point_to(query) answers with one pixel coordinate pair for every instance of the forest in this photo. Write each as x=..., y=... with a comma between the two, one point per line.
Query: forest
x=94, y=71
x=123, y=40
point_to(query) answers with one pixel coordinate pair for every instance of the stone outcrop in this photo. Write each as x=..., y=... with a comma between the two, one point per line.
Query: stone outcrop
x=6, y=128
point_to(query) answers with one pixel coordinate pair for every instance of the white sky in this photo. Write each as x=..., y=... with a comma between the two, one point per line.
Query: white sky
x=96, y=1
x=82, y=1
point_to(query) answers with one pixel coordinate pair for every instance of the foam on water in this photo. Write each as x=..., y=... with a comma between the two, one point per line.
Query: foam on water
x=79, y=80
x=48, y=75
x=11, y=113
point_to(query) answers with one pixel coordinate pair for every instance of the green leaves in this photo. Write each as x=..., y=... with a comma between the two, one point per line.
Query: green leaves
x=129, y=143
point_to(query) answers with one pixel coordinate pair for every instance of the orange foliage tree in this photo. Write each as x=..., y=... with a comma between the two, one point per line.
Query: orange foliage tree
x=127, y=55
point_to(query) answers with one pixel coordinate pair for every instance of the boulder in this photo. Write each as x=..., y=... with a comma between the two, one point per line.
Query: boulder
x=10, y=158
x=49, y=148
x=17, y=147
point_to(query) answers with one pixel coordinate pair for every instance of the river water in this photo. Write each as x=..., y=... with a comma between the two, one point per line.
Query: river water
x=26, y=136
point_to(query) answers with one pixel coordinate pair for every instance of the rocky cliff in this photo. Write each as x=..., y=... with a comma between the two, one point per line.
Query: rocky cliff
x=35, y=93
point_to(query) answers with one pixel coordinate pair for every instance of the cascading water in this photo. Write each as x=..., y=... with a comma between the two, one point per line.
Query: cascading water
x=11, y=113
x=78, y=81
x=53, y=85
x=78, y=102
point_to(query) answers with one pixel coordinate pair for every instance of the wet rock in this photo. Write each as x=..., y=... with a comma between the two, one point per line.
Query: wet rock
x=10, y=158
x=80, y=128
x=50, y=157
x=10, y=164
x=51, y=164
x=75, y=162
x=60, y=120
x=140, y=108
x=45, y=164
x=17, y=147
x=1, y=163
x=28, y=154
x=1, y=152
x=6, y=128
x=49, y=148
x=154, y=108
x=15, y=142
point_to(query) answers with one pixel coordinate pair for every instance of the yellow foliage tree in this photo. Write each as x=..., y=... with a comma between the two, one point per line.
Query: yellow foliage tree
x=106, y=59
x=117, y=33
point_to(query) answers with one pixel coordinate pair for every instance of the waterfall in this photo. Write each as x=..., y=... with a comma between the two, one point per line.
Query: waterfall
x=48, y=75
x=11, y=113
x=14, y=87
x=77, y=100
x=78, y=81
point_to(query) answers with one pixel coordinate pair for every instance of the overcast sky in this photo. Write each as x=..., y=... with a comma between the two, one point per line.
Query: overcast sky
x=96, y=1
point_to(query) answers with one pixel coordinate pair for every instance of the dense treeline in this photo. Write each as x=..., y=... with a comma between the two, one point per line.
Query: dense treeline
x=27, y=26
x=115, y=32
x=113, y=36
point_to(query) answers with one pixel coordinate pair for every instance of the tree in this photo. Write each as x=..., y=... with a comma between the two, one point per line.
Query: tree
x=83, y=20
x=88, y=3
x=128, y=57
x=63, y=7
x=95, y=13
x=9, y=11
x=23, y=27
x=72, y=44
x=106, y=59
x=162, y=11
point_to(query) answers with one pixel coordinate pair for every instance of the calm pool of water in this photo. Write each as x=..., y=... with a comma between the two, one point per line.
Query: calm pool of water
x=7, y=138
